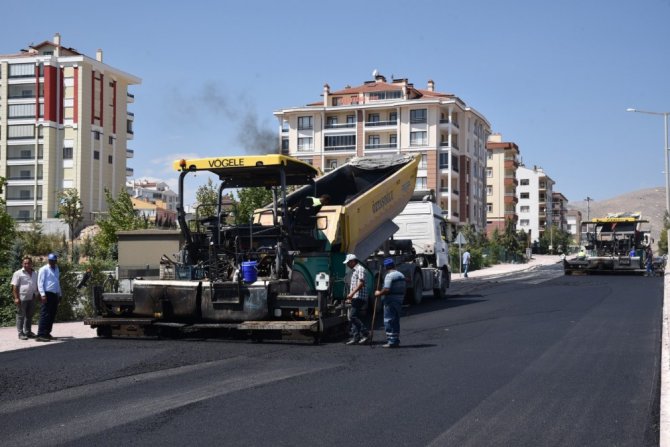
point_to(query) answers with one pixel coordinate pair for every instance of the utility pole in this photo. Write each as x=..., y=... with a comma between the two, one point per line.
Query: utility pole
x=588, y=207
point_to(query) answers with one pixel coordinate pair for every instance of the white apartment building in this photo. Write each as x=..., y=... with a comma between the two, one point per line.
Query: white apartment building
x=152, y=191
x=534, y=208
x=64, y=123
x=380, y=118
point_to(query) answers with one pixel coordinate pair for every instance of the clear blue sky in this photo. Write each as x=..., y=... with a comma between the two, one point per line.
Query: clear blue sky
x=553, y=77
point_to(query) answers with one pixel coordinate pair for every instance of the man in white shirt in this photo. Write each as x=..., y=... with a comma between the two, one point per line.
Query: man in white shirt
x=24, y=291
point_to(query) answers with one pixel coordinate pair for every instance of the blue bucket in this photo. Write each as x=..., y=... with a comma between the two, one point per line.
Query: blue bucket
x=249, y=271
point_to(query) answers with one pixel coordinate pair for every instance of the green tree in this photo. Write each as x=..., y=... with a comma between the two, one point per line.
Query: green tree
x=663, y=237
x=250, y=199
x=121, y=216
x=7, y=229
x=70, y=209
x=207, y=196
x=7, y=255
x=558, y=239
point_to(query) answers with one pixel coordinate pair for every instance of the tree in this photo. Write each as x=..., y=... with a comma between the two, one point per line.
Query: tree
x=70, y=209
x=7, y=229
x=663, y=237
x=250, y=199
x=121, y=216
x=207, y=197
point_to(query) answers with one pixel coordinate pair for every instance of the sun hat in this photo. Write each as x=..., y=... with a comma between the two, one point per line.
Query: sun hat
x=350, y=257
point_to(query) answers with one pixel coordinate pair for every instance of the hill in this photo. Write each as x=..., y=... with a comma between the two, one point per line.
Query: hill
x=650, y=202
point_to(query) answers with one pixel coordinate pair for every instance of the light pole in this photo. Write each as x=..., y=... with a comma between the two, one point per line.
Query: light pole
x=588, y=207
x=665, y=153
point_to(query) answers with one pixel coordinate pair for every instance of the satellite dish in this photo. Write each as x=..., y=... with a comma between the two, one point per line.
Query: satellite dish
x=375, y=73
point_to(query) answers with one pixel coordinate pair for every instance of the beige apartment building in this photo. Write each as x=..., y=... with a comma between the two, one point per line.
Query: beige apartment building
x=535, y=192
x=559, y=211
x=501, y=182
x=381, y=118
x=64, y=123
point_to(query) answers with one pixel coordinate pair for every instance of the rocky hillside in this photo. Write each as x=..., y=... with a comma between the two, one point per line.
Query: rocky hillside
x=650, y=202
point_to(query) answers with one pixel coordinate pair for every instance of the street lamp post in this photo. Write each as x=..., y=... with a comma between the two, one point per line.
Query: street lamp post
x=588, y=207
x=666, y=149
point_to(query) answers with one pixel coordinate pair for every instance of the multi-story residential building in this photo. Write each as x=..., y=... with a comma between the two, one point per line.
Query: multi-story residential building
x=380, y=118
x=501, y=182
x=559, y=209
x=535, y=201
x=64, y=123
x=152, y=191
x=574, y=224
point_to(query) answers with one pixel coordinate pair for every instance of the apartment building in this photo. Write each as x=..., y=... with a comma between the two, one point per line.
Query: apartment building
x=574, y=224
x=535, y=193
x=559, y=210
x=152, y=191
x=381, y=118
x=64, y=123
x=501, y=183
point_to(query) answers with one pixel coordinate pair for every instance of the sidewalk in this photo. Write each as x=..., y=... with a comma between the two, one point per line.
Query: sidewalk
x=9, y=336
x=460, y=284
x=9, y=340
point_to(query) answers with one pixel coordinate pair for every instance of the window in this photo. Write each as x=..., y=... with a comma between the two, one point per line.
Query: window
x=24, y=194
x=331, y=121
x=421, y=183
x=96, y=135
x=67, y=153
x=96, y=155
x=305, y=144
x=393, y=116
x=284, y=144
x=110, y=159
x=489, y=172
x=373, y=118
x=489, y=190
x=524, y=209
x=305, y=123
x=444, y=161
x=380, y=96
x=524, y=195
x=393, y=139
x=337, y=101
x=21, y=70
x=418, y=138
x=489, y=207
x=21, y=131
x=489, y=155
x=351, y=119
x=340, y=142
x=524, y=182
x=110, y=139
x=418, y=116
x=423, y=164
x=21, y=111
x=524, y=222
x=373, y=140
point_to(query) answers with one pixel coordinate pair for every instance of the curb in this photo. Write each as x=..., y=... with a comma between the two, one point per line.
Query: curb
x=664, y=417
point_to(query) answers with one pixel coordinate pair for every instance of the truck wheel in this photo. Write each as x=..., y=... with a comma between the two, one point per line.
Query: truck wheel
x=441, y=292
x=417, y=288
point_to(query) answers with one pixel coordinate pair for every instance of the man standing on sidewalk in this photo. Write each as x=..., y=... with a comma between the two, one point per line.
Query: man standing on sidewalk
x=24, y=290
x=466, y=262
x=48, y=283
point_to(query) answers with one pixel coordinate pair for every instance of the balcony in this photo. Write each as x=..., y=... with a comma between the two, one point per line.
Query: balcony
x=381, y=146
x=340, y=148
x=130, y=153
x=130, y=172
x=131, y=116
x=381, y=123
x=446, y=144
x=511, y=198
x=511, y=181
x=329, y=126
x=453, y=123
x=511, y=162
x=130, y=98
